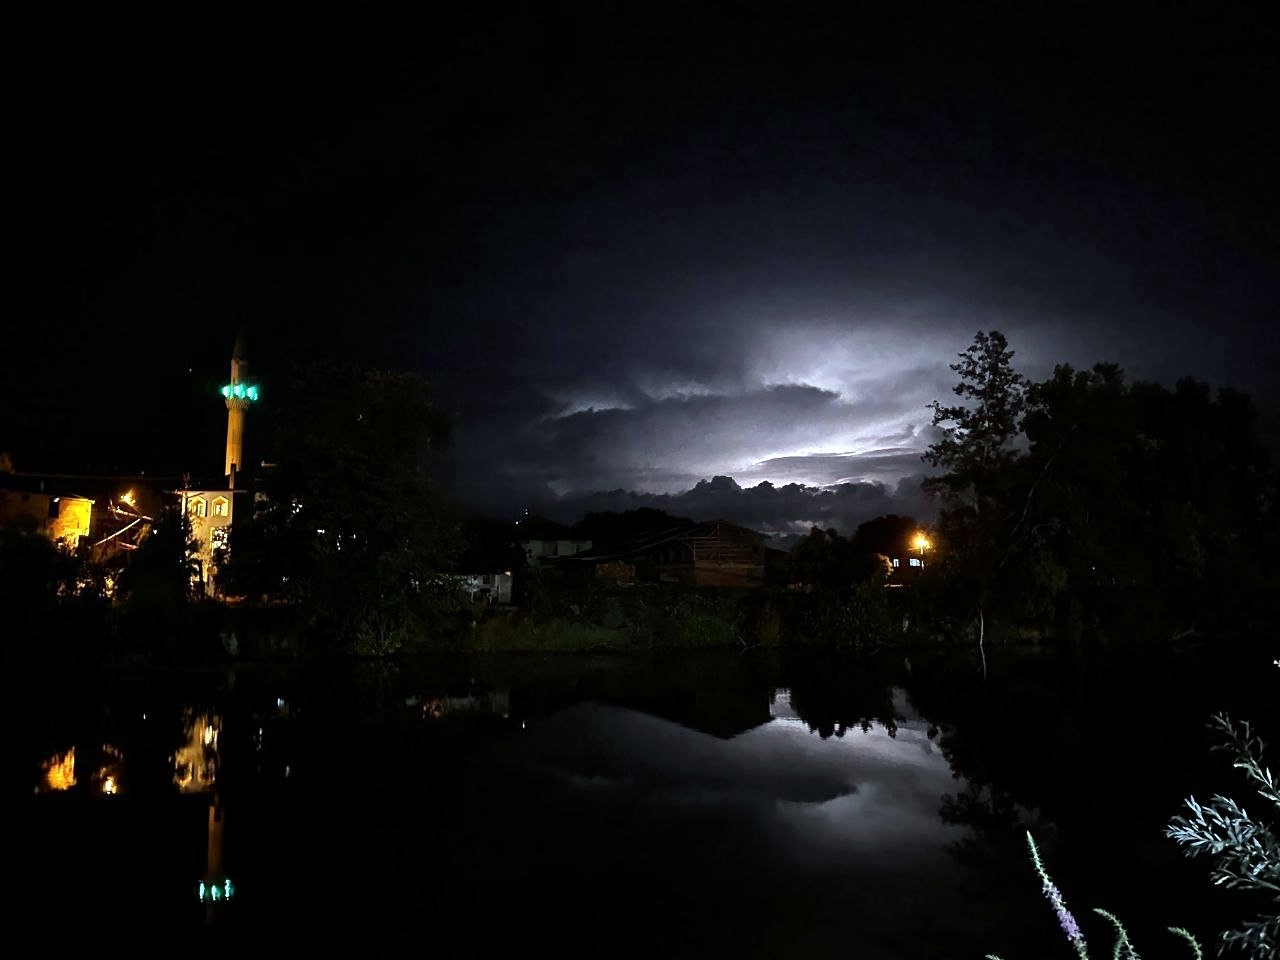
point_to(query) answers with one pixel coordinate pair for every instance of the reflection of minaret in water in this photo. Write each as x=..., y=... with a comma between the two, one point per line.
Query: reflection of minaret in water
x=215, y=887
x=238, y=395
x=195, y=770
x=213, y=872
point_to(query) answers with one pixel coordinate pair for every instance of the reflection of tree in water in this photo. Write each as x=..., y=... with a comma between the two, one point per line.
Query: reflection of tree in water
x=981, y=742
x=997, y=748
x=835, y=698
x=1092, y=749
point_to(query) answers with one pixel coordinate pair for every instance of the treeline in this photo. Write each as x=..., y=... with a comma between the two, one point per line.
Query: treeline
x=1089, y=504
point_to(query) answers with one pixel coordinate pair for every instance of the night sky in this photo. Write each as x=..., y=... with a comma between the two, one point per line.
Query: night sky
x=632, y=253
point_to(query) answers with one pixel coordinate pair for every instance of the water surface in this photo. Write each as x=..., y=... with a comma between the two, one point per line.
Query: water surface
x=686, y=805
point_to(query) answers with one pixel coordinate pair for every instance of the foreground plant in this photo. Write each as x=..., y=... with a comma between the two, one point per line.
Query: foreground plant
x=1123, y=948
x=1246, y=851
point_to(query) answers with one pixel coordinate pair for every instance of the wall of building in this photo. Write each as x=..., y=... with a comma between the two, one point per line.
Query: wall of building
x=489, y=587
x=210, y=514
x=538, y=550
x=711, y=555
x=64, y=520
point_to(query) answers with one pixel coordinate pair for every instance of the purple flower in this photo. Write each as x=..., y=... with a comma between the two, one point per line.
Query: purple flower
x=1065, y=919
x=1054, y=895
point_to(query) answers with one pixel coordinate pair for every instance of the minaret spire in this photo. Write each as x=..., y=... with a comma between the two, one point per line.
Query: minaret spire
x=238, y=394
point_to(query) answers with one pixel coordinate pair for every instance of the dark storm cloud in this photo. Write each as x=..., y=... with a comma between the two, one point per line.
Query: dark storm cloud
x=885, y=466
x=782, y=511
x=663, y=439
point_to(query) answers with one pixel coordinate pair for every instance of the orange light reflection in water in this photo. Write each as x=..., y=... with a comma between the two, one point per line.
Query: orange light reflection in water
x=60, y=771
x=195, y=763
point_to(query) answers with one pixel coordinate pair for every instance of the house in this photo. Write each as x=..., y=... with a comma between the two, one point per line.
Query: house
x=538, y=551
x=488, y=587
x=711, y=554
x=103, y=515
x=39, y=505
x=905, y=566
x=545, y=540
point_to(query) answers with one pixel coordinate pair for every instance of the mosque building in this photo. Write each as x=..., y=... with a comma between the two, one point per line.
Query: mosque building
x=211, y=509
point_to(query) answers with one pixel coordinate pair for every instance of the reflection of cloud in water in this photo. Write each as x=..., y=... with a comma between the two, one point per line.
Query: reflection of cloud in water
x=864, y=799
x=796, y=843
x=597, y=742
x=892, y=815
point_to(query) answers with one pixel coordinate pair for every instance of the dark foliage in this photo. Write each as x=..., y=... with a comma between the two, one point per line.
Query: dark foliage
x=612, y=529
x=346, y=525
x=1087, y=502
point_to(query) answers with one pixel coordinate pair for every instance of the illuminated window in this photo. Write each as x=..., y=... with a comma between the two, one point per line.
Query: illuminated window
x=914, y=561
x=895, y=561
x=218, y=538
x=220, y=507
x=199, y=506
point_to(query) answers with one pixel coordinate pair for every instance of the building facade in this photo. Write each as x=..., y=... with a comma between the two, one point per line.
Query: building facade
x=62, y=518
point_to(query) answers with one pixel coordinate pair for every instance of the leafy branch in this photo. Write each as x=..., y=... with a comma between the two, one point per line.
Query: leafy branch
x=1246, y=851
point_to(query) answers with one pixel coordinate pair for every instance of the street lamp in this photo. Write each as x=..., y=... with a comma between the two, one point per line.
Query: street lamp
x=920, y=542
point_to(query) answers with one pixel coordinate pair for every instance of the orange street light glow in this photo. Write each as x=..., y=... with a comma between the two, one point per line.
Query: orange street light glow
x=921, y=543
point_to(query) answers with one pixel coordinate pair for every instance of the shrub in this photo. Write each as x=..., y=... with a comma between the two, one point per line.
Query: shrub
x=1246, y=851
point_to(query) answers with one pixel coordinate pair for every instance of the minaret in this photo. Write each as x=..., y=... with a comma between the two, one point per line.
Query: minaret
x=238, y=394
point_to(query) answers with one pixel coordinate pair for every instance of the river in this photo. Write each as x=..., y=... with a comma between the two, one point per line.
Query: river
x=718, y=804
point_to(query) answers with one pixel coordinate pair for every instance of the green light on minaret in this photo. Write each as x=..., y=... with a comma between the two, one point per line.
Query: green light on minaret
x=239, y=391
x=215, y=891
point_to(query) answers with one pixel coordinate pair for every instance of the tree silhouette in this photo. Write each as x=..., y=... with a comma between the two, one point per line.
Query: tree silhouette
x=348, y=527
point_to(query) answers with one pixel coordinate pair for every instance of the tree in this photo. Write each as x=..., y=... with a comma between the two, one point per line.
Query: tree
x=826, y=563
x=162, y=615
x=347, y=526
x=978, y=456
x=1085, y=501
x=1141, y=504
x=978, y=435
x=845, y=603
x=34, y=575
x=160, y=573
x=612, y=529
x=1072, y=497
